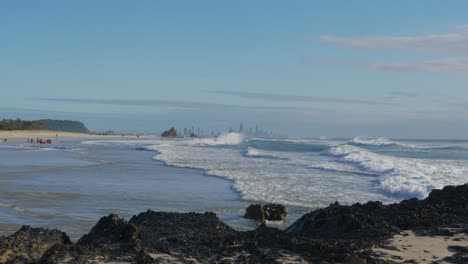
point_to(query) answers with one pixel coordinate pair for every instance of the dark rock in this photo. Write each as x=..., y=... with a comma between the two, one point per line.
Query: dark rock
x=29, y=244
x=108, y=230
x=272, y=212
x=112, y=237
x=171, y=133
x=145, y=258
x=275, y=212
x=192, y=234
x=354, y=259
x=255, y=212
x=375, y=221
x=460, y=256
x=345, y=222
x=55, y=254
x=335, y=234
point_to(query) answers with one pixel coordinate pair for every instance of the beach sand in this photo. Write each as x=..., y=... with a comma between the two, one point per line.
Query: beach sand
x=421, y=249
x=33, y=134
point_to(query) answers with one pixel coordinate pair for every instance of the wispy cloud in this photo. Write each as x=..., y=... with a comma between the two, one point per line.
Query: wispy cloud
x=449, y=65
x=404, y=94
x=455, y=42
x=176, y=104
x=301, y=98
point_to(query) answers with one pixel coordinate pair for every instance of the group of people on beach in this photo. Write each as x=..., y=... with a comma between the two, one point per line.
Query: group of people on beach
x=40, y=141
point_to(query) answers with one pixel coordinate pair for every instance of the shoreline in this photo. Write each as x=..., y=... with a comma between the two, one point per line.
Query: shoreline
x=33, y=134
x=370, y=233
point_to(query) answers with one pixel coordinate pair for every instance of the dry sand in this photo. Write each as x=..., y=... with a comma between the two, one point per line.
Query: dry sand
x=421, y=249
x=44, y=134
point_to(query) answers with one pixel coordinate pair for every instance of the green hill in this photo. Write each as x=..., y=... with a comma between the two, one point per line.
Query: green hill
x=64, y=125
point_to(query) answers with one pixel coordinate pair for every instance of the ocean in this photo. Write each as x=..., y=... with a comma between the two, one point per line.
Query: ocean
x=71, y=184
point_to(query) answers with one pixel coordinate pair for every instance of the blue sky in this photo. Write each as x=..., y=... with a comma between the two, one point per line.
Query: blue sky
x=305, y=68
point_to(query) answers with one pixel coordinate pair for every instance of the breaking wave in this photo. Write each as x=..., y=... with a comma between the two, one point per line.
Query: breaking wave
x=223, y=139
x=406, y=177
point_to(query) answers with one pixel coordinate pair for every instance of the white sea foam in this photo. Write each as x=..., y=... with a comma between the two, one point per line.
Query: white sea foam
x=256, y=153
x=372, y=142
x=223, y=139
x=406, y=177
x=287, y=178
x=346, y=173
x=376, y=142
x=251, y=152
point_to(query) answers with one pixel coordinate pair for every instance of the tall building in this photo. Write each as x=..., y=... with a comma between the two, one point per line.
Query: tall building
x=241, y=128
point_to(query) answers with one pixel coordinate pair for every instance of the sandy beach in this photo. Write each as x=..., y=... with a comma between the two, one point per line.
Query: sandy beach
x=25, y=134
x=410, y=246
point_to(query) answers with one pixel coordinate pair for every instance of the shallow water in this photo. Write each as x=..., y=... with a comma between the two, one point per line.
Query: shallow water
x=71, y=190
x=72, y=183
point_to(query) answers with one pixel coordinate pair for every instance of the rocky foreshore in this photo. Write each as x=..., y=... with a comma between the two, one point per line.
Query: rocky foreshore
x=335, y=234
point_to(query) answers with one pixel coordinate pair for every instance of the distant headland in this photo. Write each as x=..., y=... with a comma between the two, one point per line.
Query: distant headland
x=43, y=124
x=49, y=128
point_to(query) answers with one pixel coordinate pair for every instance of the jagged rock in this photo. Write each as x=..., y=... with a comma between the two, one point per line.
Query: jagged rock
x=30, y=244
x=171, y=133
x=191, y=234
x=335, y=234
x=112, y=236
x=55, y=254
x=275, y=212
x=337, y=221
x=255, y=211
x=272, y=212
x=108, y=230
x=374, y=221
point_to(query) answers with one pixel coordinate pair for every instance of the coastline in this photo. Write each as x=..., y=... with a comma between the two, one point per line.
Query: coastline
x=370, y=233
x=33, y=134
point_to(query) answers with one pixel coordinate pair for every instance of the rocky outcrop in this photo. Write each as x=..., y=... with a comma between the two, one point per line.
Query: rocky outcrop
x=171, y=133
x=335, y=234
x=30, y=244
x=275, y=212
x=373, y=220
x=271, y=212
x=255, y=212
x=342, y=222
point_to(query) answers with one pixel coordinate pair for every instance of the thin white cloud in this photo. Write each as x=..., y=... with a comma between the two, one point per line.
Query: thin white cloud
x=404, y=94
x=179, y=104
x=448, y=65
x=455, y=42
x=301, y=98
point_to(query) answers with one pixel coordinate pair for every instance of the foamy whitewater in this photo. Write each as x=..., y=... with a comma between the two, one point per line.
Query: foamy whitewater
x=316, y=172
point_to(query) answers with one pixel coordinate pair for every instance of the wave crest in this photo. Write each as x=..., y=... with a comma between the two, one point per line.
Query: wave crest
x=223, y=139
x=372, y=142
x=405, y=177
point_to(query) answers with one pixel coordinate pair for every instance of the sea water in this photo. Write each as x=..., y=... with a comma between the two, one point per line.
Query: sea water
x=70, y=184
